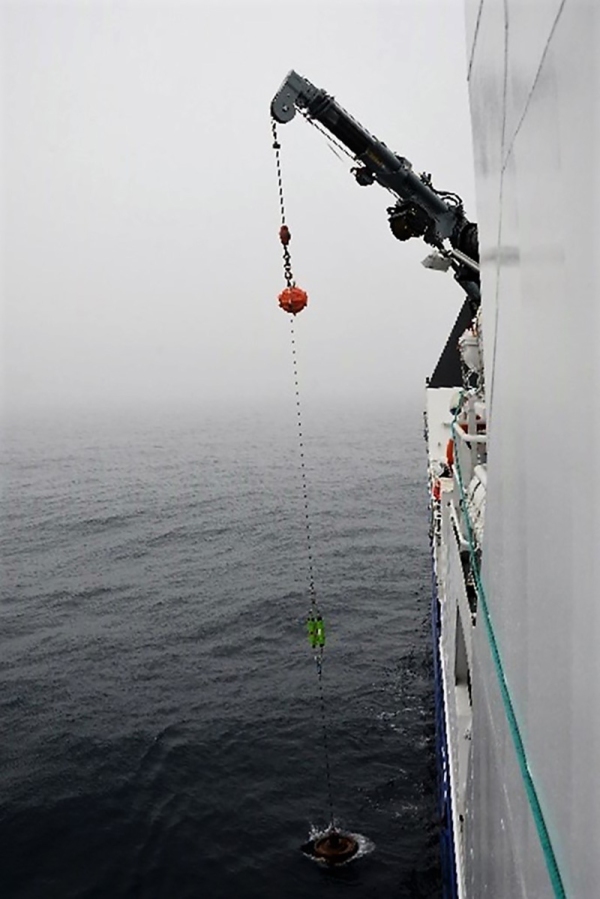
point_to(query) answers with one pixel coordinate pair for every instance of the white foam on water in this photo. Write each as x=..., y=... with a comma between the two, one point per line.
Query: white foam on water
x=365, y=845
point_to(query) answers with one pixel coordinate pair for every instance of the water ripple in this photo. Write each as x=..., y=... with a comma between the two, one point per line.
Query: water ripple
x=159, y=700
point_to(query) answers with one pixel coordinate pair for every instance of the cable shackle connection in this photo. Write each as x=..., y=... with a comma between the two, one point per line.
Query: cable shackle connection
x=293, y=299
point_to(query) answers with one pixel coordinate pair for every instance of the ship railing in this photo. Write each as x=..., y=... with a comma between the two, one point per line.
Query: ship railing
x=471, y=450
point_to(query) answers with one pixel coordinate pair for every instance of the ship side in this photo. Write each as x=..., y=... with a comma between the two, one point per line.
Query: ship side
x=513, y=434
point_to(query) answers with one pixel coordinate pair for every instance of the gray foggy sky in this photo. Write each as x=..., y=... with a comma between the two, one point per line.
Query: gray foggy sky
x=141, y=261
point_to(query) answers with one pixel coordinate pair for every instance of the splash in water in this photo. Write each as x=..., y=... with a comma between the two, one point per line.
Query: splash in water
x=335, y=845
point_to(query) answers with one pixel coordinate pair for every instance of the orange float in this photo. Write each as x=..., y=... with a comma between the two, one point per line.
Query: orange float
x=293, y=300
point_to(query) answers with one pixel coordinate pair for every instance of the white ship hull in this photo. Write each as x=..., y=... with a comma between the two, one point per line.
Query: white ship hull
x=516, y=546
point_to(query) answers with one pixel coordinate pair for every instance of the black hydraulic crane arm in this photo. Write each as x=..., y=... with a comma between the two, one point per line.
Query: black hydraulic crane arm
x=421, y=211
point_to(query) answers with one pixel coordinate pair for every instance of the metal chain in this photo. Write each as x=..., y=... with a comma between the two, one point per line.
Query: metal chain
x=287, y=260
x=314, y=610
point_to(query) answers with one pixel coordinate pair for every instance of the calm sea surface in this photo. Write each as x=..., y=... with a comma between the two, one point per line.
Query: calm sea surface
x=161, y=733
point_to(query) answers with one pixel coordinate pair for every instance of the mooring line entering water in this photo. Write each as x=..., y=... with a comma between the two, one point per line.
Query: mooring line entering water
x=293, y=300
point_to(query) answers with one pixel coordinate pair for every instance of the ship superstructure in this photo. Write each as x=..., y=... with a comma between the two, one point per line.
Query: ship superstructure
x=515, y=521
x=532, y=821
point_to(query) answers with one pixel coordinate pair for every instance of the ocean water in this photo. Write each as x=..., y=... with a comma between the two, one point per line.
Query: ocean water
x=161, y=732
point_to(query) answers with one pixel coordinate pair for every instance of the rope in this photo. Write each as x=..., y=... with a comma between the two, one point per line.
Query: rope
x=314, y=614
x=315, y=622
x=319, y=661
x=311, y=573
x=515, y=732
x=333, y=142
x=328, y=137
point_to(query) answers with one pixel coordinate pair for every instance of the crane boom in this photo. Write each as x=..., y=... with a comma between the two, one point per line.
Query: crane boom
x=421, y=210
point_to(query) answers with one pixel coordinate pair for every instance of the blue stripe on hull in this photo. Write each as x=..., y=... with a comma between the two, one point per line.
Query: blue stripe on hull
x=447, y=850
